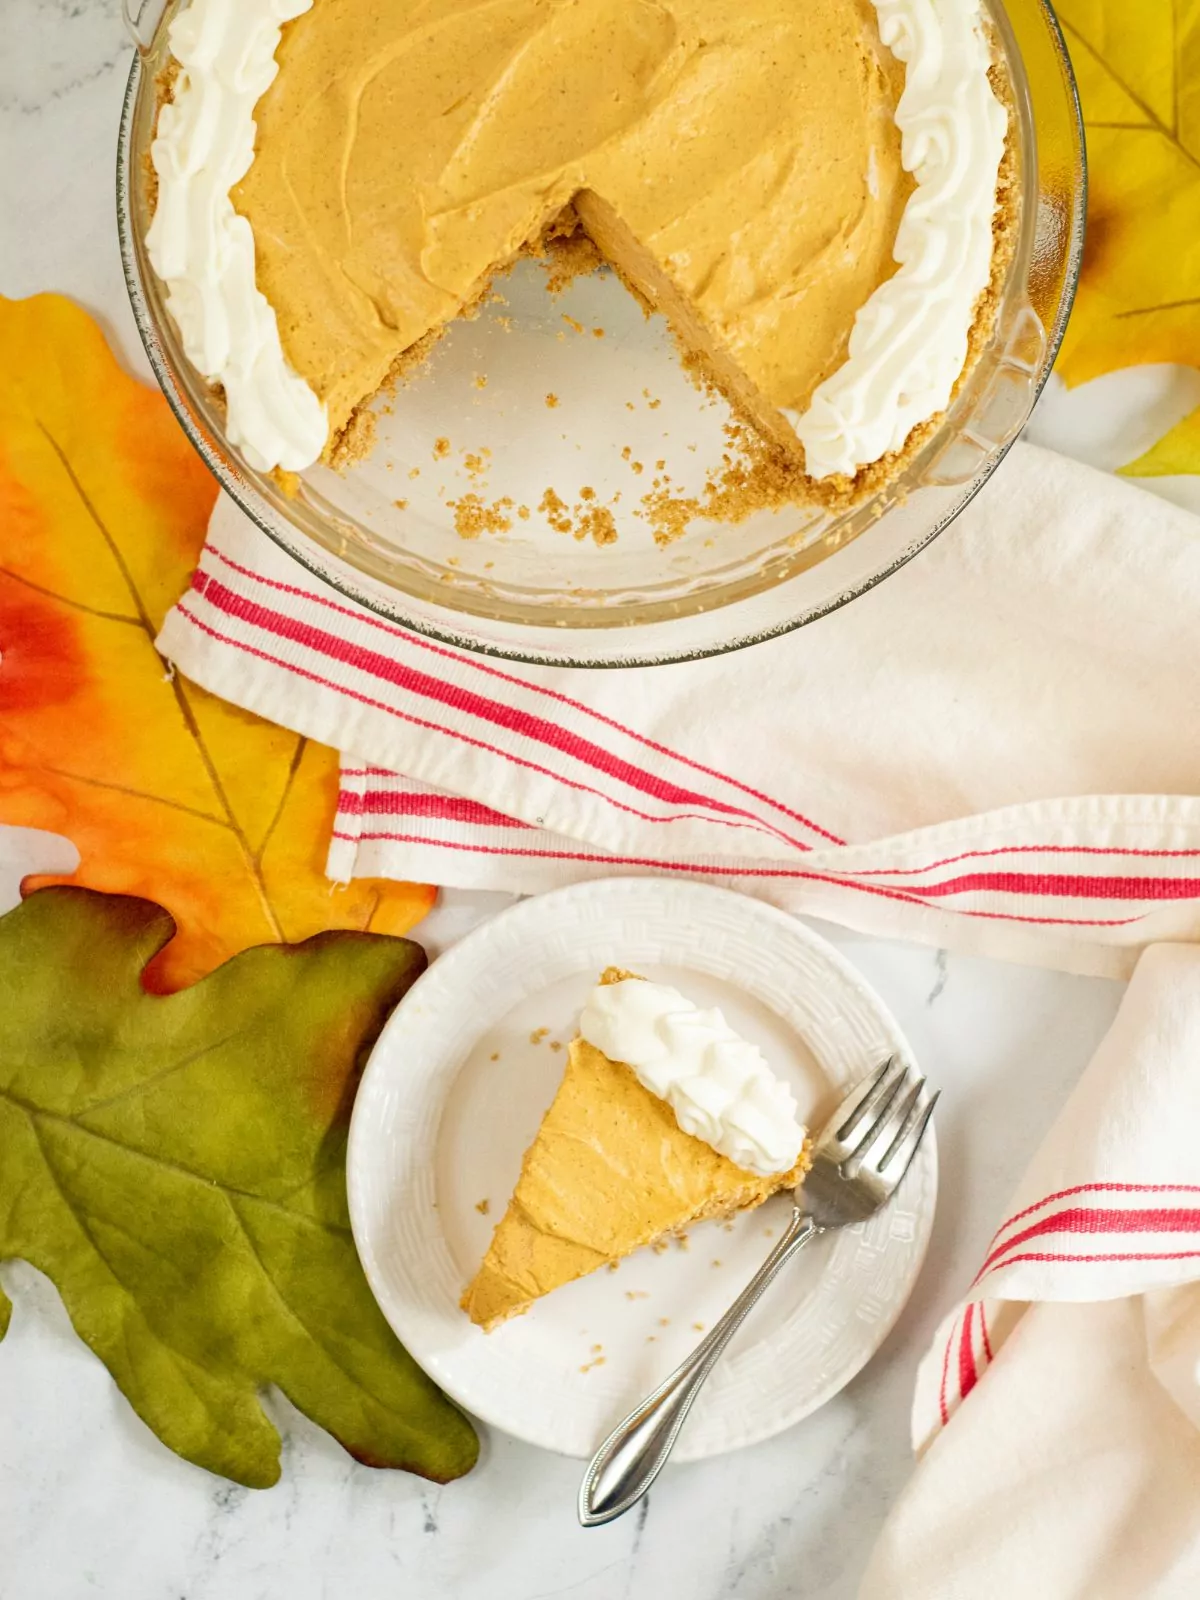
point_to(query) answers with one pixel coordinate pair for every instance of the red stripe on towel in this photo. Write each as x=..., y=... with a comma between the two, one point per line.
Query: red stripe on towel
x=1095, y=1188
x=418, y=641
x=1099, y=1220
x=445, y=807
x=966, y=1355
x=943, y=1407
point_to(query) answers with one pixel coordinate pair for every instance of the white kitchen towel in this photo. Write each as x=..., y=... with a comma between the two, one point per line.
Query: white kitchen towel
x=996, y=750
x=1058, y=1410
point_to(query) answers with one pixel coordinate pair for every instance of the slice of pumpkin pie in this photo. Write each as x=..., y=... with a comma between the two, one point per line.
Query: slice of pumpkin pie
x=664, y=1117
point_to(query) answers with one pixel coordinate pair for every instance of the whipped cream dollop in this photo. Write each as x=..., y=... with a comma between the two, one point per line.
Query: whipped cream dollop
x=202, y=248
x=909, y=342
x=717, y=1083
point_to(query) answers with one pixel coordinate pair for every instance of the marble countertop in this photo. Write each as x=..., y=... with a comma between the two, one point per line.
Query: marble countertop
x=92, y=1504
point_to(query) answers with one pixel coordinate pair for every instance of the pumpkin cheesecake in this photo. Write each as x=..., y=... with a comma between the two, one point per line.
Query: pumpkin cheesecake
x=613, y=1166
x=806, y=189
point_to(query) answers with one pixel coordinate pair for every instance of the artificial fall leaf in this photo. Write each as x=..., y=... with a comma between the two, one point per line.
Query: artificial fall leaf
x=165, y=790
x=175, y=1165
x=1178, y=452
x=1137, y=63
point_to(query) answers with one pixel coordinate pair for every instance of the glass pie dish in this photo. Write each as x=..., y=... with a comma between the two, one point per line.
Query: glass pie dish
x=543, y=399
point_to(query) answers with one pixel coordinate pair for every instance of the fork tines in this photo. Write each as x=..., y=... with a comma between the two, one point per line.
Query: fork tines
x=881, y=1125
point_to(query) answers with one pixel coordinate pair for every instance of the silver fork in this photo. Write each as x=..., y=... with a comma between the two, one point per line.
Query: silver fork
x=858, y=1162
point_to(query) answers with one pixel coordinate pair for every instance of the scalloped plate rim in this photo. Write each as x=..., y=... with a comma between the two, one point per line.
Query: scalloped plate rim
x=439, y=1350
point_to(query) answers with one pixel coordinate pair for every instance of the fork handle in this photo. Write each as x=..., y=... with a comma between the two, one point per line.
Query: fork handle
x=636, y=1451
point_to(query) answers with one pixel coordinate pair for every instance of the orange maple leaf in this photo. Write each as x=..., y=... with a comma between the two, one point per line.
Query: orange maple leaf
x=167, y=791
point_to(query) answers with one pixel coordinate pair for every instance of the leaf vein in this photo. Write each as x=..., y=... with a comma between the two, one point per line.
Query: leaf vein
x=1164, y=305
x=288, y=783
x=294, y=1314
x=1122, y=127
x=169, y=1165
x=79, y=1217
x=65, y=600
x=376, y=902
x=138, y=794
x=155, y=1078
x=114, y=548
x=185, y=709
x=1151, y=116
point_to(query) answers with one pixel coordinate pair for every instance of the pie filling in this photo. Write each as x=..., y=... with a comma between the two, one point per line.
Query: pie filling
x=806, y=190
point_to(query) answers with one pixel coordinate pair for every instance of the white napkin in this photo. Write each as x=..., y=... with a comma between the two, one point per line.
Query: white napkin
x=994, y=750
x=1058, y=1410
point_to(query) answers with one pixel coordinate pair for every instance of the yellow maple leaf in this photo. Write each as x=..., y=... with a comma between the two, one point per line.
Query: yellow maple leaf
x=1137, y=63
x=167, y=791
x=1177, y=452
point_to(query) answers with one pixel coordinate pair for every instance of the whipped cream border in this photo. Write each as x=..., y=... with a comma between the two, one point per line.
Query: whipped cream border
x=718, y=1084
x=200, y=246
x=910, y=339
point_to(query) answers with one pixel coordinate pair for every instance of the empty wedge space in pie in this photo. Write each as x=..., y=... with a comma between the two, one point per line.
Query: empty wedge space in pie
x=811, y=191
x=664, y=1117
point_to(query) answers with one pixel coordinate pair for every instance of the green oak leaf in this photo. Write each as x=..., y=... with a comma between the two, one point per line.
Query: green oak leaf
x=176, y=1166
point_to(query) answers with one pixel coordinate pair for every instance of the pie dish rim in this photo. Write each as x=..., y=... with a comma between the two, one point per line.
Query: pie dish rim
x=770, y=601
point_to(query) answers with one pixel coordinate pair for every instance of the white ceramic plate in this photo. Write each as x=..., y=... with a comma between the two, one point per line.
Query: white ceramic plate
x=456, y=1088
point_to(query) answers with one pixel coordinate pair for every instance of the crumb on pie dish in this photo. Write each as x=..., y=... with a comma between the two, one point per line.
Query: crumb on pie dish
x=816, y=195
